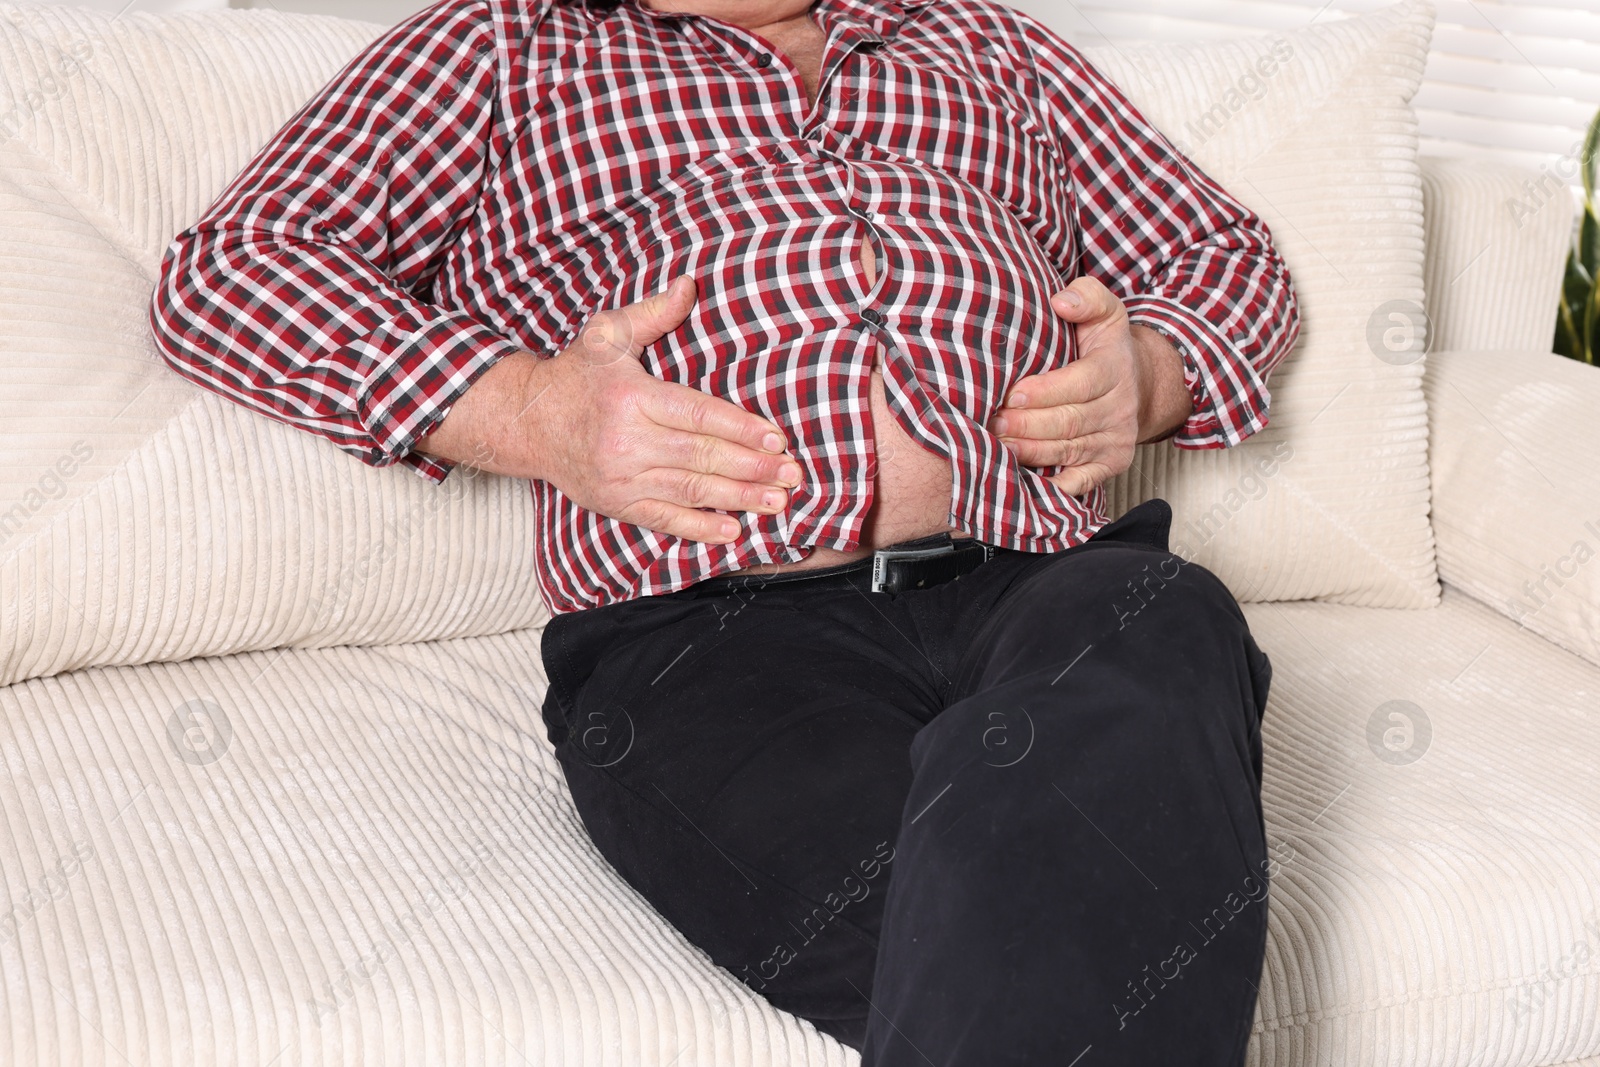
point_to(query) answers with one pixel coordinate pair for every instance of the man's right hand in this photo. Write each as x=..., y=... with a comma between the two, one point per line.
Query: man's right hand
x=616, y=439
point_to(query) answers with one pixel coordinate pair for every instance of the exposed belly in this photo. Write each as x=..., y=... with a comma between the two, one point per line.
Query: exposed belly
x=911, y=486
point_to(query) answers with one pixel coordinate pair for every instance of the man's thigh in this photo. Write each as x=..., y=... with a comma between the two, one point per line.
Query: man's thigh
x=1087, y=800
x=743, y=762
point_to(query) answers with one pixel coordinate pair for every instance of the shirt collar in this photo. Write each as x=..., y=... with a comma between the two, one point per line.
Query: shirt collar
x=887, y=12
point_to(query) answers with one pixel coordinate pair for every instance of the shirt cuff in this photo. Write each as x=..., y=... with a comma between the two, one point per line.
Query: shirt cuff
x=421, y=373
x=1230, y=399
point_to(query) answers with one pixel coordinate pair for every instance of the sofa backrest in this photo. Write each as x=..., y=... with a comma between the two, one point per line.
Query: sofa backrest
x=1498, y=237
x=143, y=519
x=1313, y=130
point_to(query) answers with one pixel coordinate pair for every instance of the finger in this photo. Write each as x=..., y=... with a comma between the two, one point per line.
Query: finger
x=1080, y=480
x=626, y=331
x=685, y=408
x=705, y=454
x=692, y=489
x=1059, y=423
x=679, y=521
x=656, y=316
x=1084, y=379
x=1085, y=300
x=1072, y=452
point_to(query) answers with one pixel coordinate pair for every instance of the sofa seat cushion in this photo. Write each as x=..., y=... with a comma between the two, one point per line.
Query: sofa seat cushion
x=1436, y=777
x=369, y=856
x=339, y=856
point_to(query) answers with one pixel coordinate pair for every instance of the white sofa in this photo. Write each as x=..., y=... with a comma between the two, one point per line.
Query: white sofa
x=275, y=788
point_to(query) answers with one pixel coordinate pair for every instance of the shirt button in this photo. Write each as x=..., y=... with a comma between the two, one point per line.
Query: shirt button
x=872, y=315
x=765, y=60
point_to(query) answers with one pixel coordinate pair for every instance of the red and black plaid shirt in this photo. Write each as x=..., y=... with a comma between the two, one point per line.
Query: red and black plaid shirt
x=489, y=174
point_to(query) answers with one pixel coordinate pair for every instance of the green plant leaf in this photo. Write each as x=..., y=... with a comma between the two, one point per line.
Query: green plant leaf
x=1591, y=146
x=1590, y=333
x=1566, y=340
x=1577, y=284
x=1576, y=288
x=1578, y=318
x=1589, y=240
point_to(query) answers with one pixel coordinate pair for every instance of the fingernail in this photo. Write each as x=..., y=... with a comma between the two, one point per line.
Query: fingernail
x=1071, y=299
x=730, y=529
x=998, y=424
x=1018, y=400
x=773, y=499
x=772, y=443
x=790, y=472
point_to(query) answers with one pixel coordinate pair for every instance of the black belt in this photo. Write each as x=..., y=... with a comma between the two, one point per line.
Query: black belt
x=919, y=564
x=927, y=561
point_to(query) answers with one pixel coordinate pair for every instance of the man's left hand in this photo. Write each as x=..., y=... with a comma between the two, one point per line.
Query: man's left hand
x=1126, y=387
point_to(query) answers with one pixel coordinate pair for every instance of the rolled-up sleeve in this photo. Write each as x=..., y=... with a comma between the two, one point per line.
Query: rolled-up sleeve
x=1183, y=256
x=303, y=292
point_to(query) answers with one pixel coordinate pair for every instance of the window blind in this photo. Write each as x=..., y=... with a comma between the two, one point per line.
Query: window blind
x=1505, y=79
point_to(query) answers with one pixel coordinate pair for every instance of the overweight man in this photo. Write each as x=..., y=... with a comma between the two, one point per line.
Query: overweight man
x=816, y=329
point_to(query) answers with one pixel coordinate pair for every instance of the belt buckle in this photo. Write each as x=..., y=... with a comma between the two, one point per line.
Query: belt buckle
x=884, y=556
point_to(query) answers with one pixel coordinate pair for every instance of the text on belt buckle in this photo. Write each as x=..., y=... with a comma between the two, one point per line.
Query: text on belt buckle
x=882, y=557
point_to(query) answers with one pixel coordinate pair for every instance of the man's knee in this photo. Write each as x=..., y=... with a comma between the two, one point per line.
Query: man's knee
x=1140, y=631
x=1093, y=595
x=1112, y=587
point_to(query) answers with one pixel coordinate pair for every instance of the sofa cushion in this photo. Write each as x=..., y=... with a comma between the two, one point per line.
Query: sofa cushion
x=369, y=856
x=142, y=518
x=335, y=856
x=1516, y=499
x=1498, y=237
x=1434, y=772
x=1313, y=130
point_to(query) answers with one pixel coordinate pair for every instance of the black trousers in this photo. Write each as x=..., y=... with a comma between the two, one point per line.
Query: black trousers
x=1009, y=819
